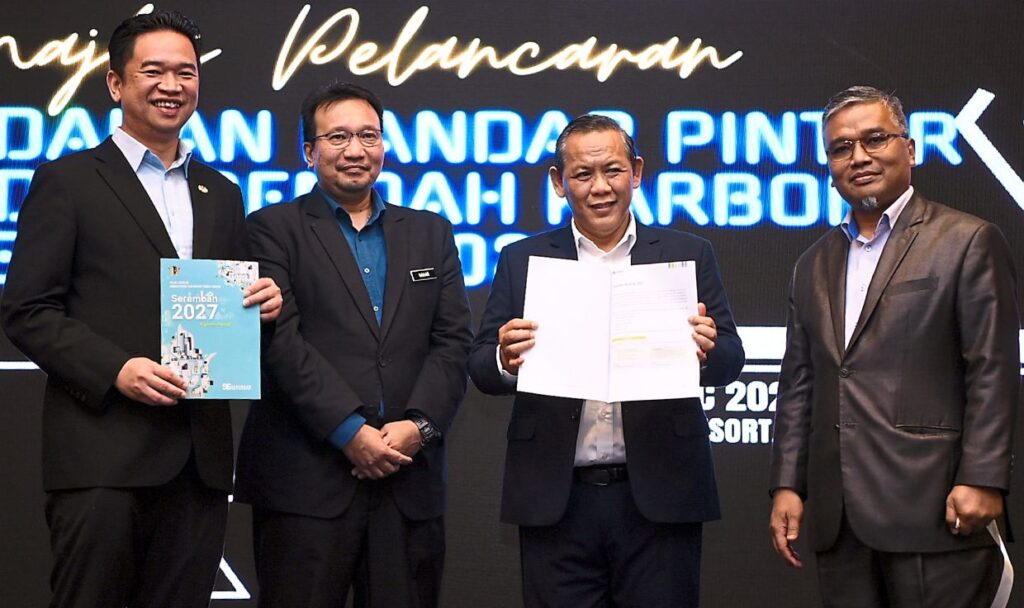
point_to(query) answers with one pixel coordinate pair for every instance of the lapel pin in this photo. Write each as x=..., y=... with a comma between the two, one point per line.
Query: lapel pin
x=202, y=188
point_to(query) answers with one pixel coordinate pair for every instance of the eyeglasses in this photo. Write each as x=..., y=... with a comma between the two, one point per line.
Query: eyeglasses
x=369, y=138
x=876, y=142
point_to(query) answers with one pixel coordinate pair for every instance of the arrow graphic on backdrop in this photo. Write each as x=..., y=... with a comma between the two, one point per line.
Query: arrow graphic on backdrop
x=967, y=123
x=238, y=590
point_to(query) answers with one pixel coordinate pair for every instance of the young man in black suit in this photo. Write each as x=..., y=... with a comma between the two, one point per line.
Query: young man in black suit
x=136, y=480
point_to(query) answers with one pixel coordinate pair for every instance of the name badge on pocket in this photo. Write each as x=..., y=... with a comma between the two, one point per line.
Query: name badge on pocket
x=423, y=274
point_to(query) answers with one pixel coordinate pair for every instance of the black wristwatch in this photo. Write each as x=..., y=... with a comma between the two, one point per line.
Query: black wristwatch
x=428, y=432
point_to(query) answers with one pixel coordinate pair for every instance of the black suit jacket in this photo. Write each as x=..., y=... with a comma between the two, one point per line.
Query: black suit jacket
x=667, y=449
x=83, y=296
x=923, y=398
x=328, y=358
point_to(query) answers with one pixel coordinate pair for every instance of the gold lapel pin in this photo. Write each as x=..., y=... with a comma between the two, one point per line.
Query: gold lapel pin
x=202, y=188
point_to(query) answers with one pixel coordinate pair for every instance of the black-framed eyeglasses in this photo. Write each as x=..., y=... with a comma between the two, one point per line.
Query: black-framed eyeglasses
x=369, y=138
x=876, y=142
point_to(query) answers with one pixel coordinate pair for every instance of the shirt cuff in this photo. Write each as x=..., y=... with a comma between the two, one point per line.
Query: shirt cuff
x=510, y=379
x=340, y=437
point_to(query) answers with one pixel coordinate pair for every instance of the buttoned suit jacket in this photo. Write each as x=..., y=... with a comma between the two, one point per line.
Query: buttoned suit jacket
x=83, y=296
x=924, y=396
x=668, y=452
x=328, y=357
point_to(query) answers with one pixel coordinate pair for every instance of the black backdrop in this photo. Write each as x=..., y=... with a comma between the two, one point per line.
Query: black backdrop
x=732, y=154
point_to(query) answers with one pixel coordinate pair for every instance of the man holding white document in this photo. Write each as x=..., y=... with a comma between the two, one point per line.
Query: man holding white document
x=609, y=497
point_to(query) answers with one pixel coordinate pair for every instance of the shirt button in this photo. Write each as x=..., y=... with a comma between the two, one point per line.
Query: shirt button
x=867, y=247
x=376, y=309
x=366, y=270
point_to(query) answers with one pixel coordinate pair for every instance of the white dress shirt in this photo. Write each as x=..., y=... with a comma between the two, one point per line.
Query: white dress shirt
x=600, y=440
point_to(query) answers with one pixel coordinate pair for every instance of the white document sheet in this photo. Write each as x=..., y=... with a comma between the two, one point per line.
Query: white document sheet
x=611, y=336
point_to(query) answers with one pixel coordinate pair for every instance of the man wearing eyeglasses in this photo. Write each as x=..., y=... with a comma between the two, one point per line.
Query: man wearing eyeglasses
x=899, y=384
x=343, y=460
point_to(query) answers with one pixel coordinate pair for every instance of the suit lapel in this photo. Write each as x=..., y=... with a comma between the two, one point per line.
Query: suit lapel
x=115, y=170
x=324, y=226
x=896, y=248
x=202, y=213
x=561, y=245
x=837, y=251
x=648, y=247
x=397, y=243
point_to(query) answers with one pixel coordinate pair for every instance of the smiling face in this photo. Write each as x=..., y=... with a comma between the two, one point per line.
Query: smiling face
x=346, y=174
x=159, y=89
x=878, y=177
x=598, y=179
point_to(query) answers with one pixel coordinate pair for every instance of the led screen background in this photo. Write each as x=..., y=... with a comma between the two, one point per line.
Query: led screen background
x=732, y=153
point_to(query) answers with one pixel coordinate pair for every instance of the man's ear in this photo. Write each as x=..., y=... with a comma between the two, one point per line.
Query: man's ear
x=556, y=181
x=638, y=171
x=114, y=85
x=307, y=153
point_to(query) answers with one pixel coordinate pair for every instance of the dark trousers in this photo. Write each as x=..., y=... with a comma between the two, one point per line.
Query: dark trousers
x=604, y=553
x=851, y=575
x=311, y=562
x=137, y=547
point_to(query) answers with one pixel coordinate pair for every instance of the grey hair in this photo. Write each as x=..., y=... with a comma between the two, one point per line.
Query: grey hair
x=865, y=94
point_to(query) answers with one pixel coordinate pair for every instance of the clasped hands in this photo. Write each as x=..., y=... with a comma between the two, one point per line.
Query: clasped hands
x=146, y=381
x=517, y=336
x=375, y=454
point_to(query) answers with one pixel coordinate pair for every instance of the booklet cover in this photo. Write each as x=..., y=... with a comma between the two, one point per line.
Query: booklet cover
x=206, y=336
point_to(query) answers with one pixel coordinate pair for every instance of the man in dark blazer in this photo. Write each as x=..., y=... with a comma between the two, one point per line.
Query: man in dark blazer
x=344, y=458
x=136, y=481
x=899, y=385
x=609, y=497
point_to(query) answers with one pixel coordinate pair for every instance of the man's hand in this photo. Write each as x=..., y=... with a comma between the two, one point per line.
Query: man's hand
x=372, y=458
x=970, y=508
x=402, y=435
x=267, y=294
x=149, y=382
x=515, y=338
x=704, y=332
x=784, y=524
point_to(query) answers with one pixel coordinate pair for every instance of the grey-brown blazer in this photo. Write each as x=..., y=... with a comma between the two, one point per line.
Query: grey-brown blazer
x=924, y=396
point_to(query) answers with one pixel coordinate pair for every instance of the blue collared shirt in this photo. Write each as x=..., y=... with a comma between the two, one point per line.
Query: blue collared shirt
x=167, y=187
x=370, y=253
x=863, y=258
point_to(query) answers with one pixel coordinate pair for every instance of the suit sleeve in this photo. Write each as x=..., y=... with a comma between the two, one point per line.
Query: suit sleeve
x=989, y=323
x=793, y=409
x=319, y=396
x=483, y=368
x=441, y=382
x=725, y=361
x=34, y=311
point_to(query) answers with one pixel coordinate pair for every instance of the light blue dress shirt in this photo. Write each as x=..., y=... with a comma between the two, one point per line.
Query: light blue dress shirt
x=863, y=258
x=167, y=187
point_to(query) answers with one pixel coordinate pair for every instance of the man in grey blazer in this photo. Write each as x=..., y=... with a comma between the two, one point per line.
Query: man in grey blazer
x=899, y=385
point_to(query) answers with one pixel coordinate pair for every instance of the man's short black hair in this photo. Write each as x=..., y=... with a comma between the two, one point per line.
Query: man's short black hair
x=590, y=123
x=122, y=41
x=332, y=93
